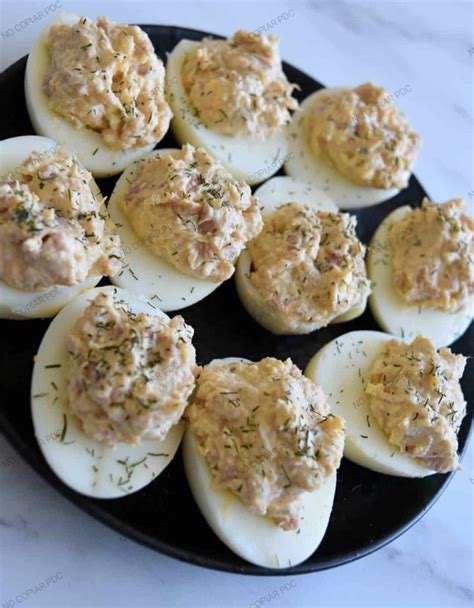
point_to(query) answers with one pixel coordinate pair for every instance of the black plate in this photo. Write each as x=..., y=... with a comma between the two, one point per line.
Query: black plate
x=370, y=509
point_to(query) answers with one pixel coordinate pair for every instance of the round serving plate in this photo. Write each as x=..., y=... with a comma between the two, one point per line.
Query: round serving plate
x=370, y=509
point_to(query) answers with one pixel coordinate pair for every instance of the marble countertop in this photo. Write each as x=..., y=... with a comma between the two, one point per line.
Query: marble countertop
x=424, y=44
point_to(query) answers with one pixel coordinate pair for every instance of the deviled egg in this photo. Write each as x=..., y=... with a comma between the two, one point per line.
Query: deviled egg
x=261, y=453
x=421, y=264
x=306, y=268
x=98, y=90
x=111, y=381
x=183, y=220
x=55, y=237
x=402, y=403
x=353, y=144
x=232, y=98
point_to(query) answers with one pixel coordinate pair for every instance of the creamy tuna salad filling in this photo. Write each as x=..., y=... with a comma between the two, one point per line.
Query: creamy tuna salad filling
x=308, y=266
x=367, y=140
x=237, y=86
x=266, y=432
x=433, y=256
x=190, y=211
x=416, y=398
x=53, y=226
x=106, y=77
x=129, y=375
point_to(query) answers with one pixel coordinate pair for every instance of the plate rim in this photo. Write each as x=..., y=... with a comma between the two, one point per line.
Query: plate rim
x=90, y=506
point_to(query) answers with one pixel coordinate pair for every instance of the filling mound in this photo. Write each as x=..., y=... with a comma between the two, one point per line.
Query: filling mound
x=129, y=375
x=433, y=256
x=417, y=400
x=363, y=136
x=106, y=77
x=267, y=435
x=54, y=229
x=189, y=210
x=237, y=86
x=308, y=266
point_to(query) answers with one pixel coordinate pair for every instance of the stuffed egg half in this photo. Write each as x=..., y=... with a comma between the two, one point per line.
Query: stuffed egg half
x=232, y=98
x=183, y=220
x=353, y=144
x=112, y=409
x=56, y=240
x=402, y=403
x=98, y=90
x=286, y=279
x=421, y=266
x=259, y=509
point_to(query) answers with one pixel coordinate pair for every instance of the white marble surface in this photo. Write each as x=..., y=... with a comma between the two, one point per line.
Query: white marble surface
x=423, y=44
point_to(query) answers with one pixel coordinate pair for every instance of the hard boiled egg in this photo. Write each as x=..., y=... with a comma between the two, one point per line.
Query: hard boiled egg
x=245, y=158
x=81, y=463
x=143, y=272
x=273, y=194
x=303, y=164
x=341, y=368
x=281, y=190
x=253, y=537
x=86, y=144
x=16, y=303
x=395, y=315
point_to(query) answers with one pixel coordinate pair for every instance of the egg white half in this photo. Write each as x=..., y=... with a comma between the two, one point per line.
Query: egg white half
x=303, y=164
x=392, y=313
x=143, y=272
x=81, y=463
x=342, y=368
x=16, y=303
x=253, y=537
x=271, y=196
x=86, y=144
x=282, y=189
x=244, y=157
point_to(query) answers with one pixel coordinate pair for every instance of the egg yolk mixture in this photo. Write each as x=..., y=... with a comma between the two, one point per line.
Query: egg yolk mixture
x=367, y=140
x=266, y=432
x=433, y=256
x=308, y=266
x=129, y=376
x=237, y=86
x=53, y=229
x=189, y=210
x=417, y=400
x=106, y=77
